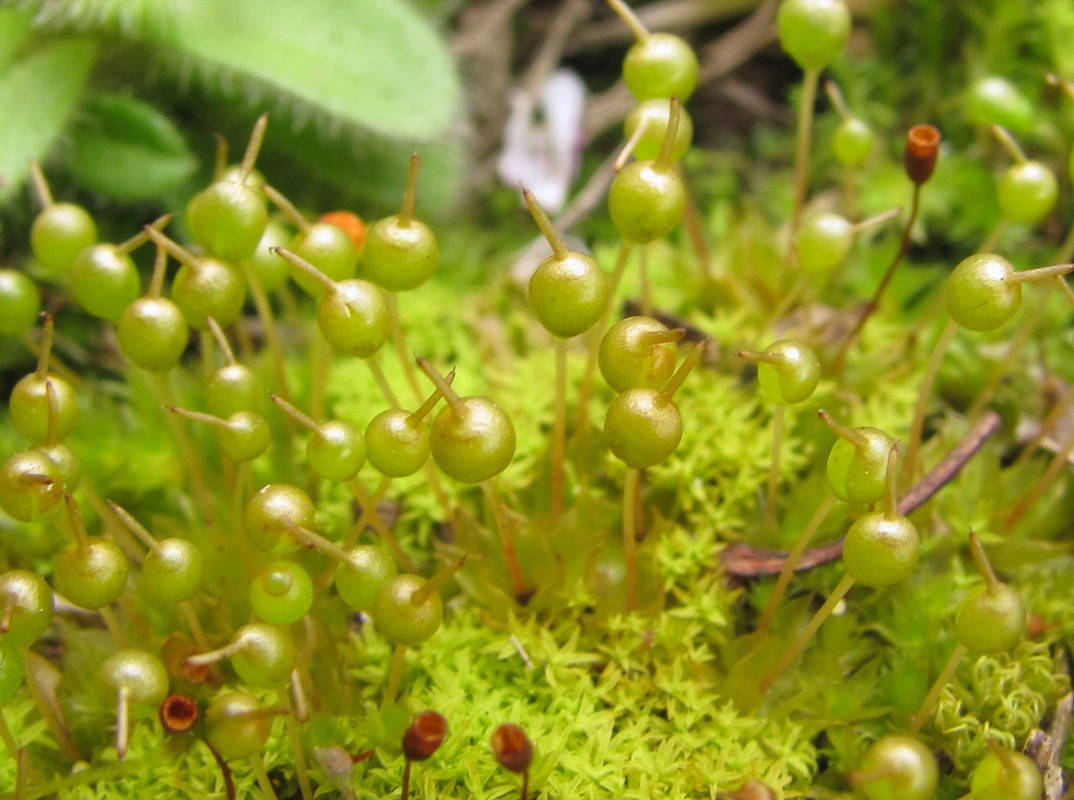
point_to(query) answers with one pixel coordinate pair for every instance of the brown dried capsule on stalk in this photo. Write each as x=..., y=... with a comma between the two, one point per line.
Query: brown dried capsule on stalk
x=922, y=148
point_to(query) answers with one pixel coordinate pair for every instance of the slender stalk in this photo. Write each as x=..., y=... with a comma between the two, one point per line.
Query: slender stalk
x=810, y=79
x=625, y=13
x=1040, y=273
x=688, y=363
x=794, y=557
x=646, y=290
x=437, y=581
x=628, y=148
x=382, y=382
x=262, y=777
x=318, y=542
x=555, y=241
x=399, y=343
x=268, y=322
x=932, y=369
x=369, y=510
x=190, y=454
x=37, y=178
x=929, y=704
x=799, y=644
x=369, y=505
x=7, y=737
x=294, y=736
x=874, y=302
x=123, y=721
x=559, y=431
x=294, y=413
x=630, y=537
x=287, y=208
x=1060, y=408
x=153, y=231
x=253, y=148
x=299, y=263
x=37, y=684
x=1042, y=485
x=778, y=416
x=45, y=351
x=111, y=622
x=492, y=497
x=395, y=674
x=405, y=793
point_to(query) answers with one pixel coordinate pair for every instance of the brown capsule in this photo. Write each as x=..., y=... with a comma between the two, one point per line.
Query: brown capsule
x=427, y=730
x=177, y=648
x=922, y=147
x=178, y=713
x=512, y=748
x=752, y=790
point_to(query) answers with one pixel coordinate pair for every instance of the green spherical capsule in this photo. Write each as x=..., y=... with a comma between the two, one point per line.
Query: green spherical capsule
x=569, y=295
x=399, y=256
x=1027, y=192
x=652, y=117
x=399, y=617
x=92, y=573
x=990, y=619
x=26, y=600
x=267, y=657
x=359, y=578
x=29, y=406
x=66, y=462
x=235, y=725
x=59, y=234
x=852, y=142
x=396, y=444
x=330, y=249
x=140, y=673
x=881, y=549
x=897, y=767
x=234, y=388
x=993, y=100
x=31, y=485
x=642, y=427
x=1014, y=777
x=227, y=219
x=981, y=292
x=823, y=243
x=104, y=281
x=281, y=593
x=813, y=32
x=271, y=270
x=246, y=436
x=209, y=288
x=20, y=303
x=662, y=65
x=354, y=318
x=627, y=360
x=270, y=512
x=472, y=439
x=12, y=671
x=153, y=333
x=858, y=473
x=336, y=450
x=646, y=201
x=173, y=570
x=794, y=378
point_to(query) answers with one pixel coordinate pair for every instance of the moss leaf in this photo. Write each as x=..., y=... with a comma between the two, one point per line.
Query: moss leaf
x=52, y=77
x=127, y=150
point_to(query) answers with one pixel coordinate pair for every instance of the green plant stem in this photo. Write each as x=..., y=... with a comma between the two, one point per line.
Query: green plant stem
x=559, y=431
x=778, y=417
x=322, y=365
x=263, y=781
x=585, y=392
x=874, y=302
x=395, y=674
x=810, y=79
x=929, y=704
x=294, y=736
x=799, y=644
x=1003, y=368
x=399, y=343
x=492, y=497
x=794, y=557
x=1058, y=411
x=8, y=738
x=370, y=502
x=272, y=333
x=36, y=668
x=630, y=541
x=382, y=382
x=365, y=519
x=924, y=393
x=111, y=622
x=646, y=291
x=191, y=456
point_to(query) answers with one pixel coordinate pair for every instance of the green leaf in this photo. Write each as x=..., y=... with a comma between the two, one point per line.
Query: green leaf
x=39, y=93
x=14, y=31
x=374, y=64
x=125, y=149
